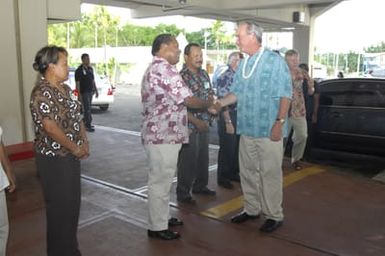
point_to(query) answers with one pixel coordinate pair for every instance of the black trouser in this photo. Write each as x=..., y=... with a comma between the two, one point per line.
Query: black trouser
x=228, y=164
x=87, y=101
x=193, y=165
x=310, y=138
x=60, y=178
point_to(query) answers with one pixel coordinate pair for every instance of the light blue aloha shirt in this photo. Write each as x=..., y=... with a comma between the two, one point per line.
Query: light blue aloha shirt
x=258, y=97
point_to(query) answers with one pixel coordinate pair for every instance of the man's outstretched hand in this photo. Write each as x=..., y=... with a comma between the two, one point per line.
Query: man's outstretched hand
x=215, y=108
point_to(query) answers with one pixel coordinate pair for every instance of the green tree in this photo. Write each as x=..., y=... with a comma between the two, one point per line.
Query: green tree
x=171, y=29
x=57, y=34
x=80, y=34
x=218, y=33
x=352, y=59
x=144, y=36
x=376, y=48
x=104, y=26
x=196, y=37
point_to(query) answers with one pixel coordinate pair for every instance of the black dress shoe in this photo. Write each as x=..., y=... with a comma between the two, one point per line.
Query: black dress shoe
x=270, y=225
x=225, y=184
x=240, y=218
x=90, y=129
x=205, y=191
x=235, y=178
x=187, y=200
x=163, y=234
x=172, y=222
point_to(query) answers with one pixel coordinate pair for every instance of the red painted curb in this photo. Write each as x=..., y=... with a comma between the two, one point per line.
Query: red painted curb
x=20, y=151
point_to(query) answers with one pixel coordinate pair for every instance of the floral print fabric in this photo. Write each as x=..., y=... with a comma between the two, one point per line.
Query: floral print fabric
x=200, y=86
x=297, y=107
x=164, y=113
x=61, y=107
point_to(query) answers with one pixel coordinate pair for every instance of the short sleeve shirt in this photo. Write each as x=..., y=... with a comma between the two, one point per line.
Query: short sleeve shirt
x=223, y=84
x=200, y=85
x=85, y=77
x=164, y=113
x=47, y=102
x=3, y=177
x=297, y=106
x=258, y=96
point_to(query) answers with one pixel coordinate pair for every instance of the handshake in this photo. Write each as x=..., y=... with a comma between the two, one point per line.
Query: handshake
x=214, y=105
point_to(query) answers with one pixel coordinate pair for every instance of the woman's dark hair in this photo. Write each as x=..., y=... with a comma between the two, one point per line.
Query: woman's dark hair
x=187, y=49
x=159, y=40
x=47, y=55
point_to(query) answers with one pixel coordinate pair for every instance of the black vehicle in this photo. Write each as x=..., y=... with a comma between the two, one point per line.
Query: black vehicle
x=351, y=119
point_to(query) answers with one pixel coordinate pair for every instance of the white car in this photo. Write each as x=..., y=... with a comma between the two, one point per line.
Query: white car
x=105, y=90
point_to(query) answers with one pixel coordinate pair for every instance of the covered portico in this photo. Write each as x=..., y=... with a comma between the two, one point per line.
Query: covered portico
x=24, y=31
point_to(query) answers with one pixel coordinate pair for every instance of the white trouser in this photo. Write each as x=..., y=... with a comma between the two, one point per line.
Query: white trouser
x=4, y=227
x=299, y=137
x=163, y=161
x=260, y=162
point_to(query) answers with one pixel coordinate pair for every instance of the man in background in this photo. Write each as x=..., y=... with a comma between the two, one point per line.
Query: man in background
x=86, y=87
x=193, y=161
x=228, y=164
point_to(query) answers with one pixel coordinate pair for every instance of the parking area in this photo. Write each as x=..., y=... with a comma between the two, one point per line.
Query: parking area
x=327, y=211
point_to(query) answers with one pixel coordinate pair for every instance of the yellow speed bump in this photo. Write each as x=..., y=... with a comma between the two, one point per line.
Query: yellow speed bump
x=237, y=203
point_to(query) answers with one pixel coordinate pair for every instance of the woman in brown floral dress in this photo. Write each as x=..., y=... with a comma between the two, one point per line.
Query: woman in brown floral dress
x=60, y=143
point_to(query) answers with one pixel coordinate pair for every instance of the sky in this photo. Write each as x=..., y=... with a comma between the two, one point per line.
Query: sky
x=349, y=26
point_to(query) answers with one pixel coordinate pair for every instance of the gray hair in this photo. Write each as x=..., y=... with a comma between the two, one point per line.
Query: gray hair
x=232, y=56
x=253, y=28
x=291, y=53
x=47, y=55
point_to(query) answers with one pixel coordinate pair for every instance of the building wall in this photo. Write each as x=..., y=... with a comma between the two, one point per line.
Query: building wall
x=24, y=31
x=10, y=107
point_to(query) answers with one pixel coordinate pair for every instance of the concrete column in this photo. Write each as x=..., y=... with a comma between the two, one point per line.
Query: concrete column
x=311, y=43
x=301, y=37
x=33, y=36
x=11, y=118
x=24, y=31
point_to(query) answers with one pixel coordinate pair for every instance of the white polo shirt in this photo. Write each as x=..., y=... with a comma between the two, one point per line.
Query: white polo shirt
x=3, y=177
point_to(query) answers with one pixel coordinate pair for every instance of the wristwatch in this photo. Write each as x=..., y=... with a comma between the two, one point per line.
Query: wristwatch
x=280, y=120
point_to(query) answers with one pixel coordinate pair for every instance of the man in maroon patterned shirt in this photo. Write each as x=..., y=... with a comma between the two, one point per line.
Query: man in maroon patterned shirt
x=164, y=130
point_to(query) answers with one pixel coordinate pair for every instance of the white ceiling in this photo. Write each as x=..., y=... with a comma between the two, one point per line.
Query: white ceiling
x=273, y=15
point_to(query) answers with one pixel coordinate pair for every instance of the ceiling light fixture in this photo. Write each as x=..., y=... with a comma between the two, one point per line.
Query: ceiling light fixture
x=183, y=2
x=288, y=28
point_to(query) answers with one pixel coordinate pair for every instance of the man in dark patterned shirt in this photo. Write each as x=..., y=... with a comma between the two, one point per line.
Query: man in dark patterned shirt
x=193, y=158
x=228, y=165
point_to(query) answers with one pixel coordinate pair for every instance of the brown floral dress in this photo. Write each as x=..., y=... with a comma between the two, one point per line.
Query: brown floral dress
x=62, y=107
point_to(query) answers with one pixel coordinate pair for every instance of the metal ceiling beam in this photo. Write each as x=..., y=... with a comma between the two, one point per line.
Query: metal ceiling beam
x=272, y=14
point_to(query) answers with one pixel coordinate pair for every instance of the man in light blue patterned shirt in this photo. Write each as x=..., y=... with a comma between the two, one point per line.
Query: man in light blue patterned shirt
x=262, y=89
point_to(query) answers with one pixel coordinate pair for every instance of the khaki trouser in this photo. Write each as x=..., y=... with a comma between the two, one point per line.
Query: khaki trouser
x=260, y=161
x=299, y=138
x=4, y=227
x=163, y=160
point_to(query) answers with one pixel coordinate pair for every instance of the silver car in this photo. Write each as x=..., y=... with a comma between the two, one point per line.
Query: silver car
x=103, y=85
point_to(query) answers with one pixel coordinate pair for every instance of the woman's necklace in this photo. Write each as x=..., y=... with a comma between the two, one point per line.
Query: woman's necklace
x=254, y=66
